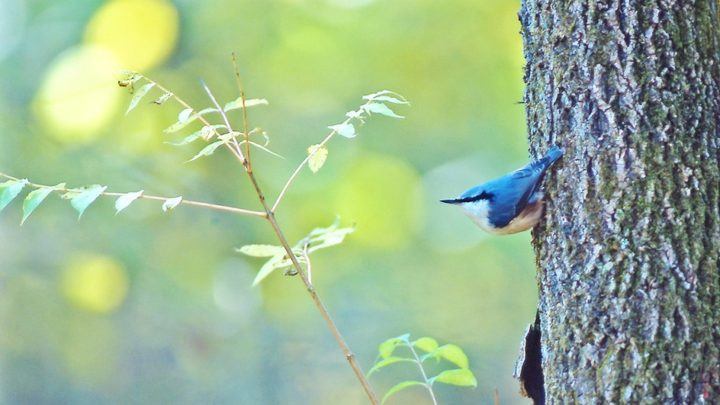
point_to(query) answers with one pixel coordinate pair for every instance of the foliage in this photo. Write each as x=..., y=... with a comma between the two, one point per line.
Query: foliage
x=238, y=143
x=460, y=376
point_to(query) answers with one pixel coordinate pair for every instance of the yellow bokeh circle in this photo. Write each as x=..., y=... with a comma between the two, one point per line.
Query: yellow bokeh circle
x=79, y=94
x=94, y=283
x=383, y=195
x=140, y=33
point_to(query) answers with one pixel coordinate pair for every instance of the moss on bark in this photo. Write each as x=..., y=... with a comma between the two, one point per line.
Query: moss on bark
x=628, y=253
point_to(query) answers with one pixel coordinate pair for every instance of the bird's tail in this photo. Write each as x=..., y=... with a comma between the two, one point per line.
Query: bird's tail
x=550, y=157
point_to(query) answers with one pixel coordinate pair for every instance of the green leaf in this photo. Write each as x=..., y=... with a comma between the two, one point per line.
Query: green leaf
x=453, y=354
x=345, y=129
x=277, y=262
x=165, y=97
x=35, y=198
x=262, y=250
x=387, y=347
x=184, y=114
x=208, y=150
x=426, y=344
x=125, y=200
x=82, y=200
x=386, y=362
x=461, y=377
x=318, y=154
x=237, y=103
x=399, y=387
x=139, y=94
x=9, y=190
x=381, y=108
x=390, y=99
x=171, y=203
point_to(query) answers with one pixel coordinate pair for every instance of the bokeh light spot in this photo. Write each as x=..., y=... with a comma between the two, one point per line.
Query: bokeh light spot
x=383, y=195
x=140, y=33
x=79, y=95
x=94, y=283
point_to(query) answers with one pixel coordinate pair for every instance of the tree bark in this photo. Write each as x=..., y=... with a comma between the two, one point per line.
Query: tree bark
x=628, y=251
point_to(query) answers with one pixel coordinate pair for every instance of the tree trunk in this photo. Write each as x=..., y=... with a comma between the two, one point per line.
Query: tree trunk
x=628, y=251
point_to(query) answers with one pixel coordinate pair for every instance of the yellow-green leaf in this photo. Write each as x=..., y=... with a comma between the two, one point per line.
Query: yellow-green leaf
x=318, y=154
x=208, y=150
x=453, y=354
x=426, y=344
x=262, y=250
x=237, y=103
x=460, y=377
x=139, y=94
x=386, y=362
x=399, y=387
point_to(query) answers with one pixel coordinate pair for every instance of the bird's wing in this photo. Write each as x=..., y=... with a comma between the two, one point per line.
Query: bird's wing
x=510, y=201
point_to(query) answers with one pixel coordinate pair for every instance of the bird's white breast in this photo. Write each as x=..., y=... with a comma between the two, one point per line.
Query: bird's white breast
x=478, y=211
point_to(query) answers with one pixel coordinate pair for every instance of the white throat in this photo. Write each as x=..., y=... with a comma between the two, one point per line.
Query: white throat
x=478, y=211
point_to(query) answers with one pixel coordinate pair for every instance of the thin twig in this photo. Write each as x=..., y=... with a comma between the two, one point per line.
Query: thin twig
x=216, y=207
x=240, y=156
x=200, y=117
x=302, y=164
x=244, y=109
x=422, y=371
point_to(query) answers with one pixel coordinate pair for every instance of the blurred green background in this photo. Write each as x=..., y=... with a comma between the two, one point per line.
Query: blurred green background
x=147, y=307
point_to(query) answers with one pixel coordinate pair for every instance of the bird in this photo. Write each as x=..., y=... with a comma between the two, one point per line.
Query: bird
x=512, y=203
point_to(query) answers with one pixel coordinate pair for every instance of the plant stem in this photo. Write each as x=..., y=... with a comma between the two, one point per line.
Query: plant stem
x=422, y=371
x=270, y=216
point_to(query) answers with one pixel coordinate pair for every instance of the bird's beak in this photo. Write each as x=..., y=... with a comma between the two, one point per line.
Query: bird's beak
x=451, y=201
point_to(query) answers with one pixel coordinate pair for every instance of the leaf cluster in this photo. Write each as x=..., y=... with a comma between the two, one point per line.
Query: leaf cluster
x=450, y=354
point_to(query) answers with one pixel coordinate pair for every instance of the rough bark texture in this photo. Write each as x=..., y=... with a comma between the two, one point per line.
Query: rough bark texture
x=628, y=250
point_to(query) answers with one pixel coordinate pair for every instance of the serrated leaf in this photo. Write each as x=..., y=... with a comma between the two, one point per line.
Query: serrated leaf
x=82, y=199
x=262, y=250
x=9, y=190
x=426, y=344
x=35, y=198
x=184, y=115
x=460, y=377
x=380, y=108
x=139, y=94
x=125, y=200
x=165, y=97
x=207, y=150
x=205, y=133
x=345, y=129
x=453, y=354
x=237, y=103
x=171, y=203
x=399, y=387
x=318, y=154
x=386, y=362
x=386, y=348
x=275, y=263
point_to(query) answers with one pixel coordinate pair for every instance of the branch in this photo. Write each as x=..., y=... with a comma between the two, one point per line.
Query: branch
x=302, y=164
x=215, y=207
x=270, y=216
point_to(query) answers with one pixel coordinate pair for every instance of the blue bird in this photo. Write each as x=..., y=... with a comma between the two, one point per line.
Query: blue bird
x=512, y=203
